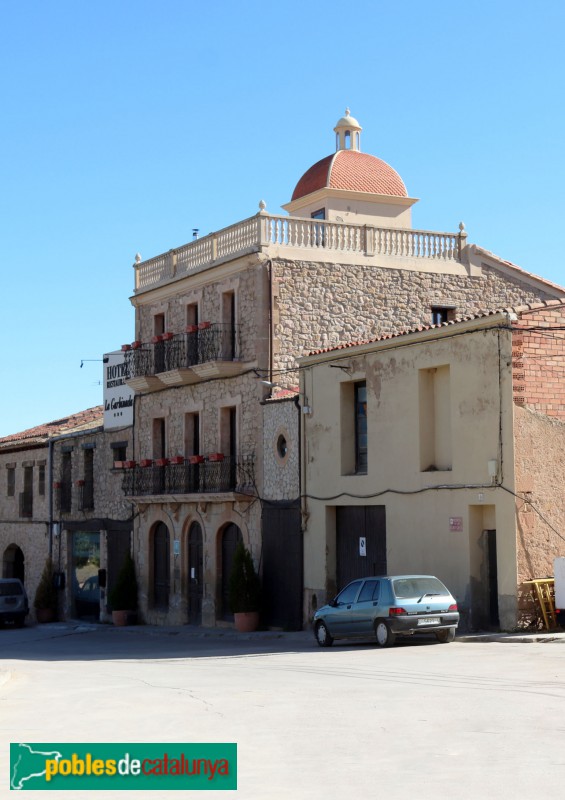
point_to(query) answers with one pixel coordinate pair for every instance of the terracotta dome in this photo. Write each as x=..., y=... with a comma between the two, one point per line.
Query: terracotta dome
x=353, y=171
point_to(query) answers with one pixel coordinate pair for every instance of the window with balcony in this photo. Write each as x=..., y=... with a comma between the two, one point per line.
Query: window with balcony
x=228, y=350
x=159, y=438
x=192, y=434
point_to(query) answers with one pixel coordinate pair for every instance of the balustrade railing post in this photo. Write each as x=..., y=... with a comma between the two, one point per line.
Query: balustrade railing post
x=262, y=228
x=369, y=236
x=461, y=241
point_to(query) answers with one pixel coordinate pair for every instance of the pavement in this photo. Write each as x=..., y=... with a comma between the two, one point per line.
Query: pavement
x=305, y=636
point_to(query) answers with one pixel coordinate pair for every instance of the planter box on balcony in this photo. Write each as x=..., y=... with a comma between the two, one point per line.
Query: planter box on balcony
x=161, y=462
x=146, y=462
x=203, y=325
x=119, y=464
x=196, y=459
x=165, y=337
x=191, y=328
x=126, y=347
x=56, y=484
x=216, y=457
x=155, y=339
x=135, y=345
x=79, y=482
x=177, y=460
x=128, y=464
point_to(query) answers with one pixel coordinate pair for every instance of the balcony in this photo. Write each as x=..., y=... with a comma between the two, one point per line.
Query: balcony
x=211, y=350
x=294, y=237
x=232, y=475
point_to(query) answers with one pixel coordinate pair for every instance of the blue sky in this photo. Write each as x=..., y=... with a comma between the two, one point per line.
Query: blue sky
x=126, y=124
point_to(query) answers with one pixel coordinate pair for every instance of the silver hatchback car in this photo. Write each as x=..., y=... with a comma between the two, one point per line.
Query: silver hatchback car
x=14, y=605
x=387, y=607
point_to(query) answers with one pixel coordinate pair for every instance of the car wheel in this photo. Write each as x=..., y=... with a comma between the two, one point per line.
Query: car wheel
x=446, y=635
x=323, y=636
x=385, y=637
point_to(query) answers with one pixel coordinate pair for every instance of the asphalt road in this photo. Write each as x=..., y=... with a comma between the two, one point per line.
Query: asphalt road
x=420, y=720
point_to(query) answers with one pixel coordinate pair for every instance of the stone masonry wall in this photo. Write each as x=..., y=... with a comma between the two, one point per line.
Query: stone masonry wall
x=321, y=305
x=540, y=478
x=280, y=473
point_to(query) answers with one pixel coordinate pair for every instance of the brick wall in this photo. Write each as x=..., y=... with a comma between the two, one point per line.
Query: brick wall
x=538, y=360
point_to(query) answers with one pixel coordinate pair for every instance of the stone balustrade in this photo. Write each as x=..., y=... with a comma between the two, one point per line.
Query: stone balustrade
x=273, y=234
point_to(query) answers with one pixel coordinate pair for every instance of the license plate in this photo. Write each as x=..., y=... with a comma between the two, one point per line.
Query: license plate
x=429, y=621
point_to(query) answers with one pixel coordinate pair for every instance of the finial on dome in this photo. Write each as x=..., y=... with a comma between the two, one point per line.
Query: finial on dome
x=348, y=133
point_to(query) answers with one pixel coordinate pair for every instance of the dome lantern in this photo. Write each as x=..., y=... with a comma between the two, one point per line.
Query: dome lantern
x=347, y=133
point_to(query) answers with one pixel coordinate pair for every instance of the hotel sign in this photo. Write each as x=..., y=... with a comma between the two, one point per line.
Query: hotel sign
x=118, y=397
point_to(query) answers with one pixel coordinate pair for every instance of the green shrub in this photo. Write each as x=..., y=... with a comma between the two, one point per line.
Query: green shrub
x=123, y=596
x=46, y=593
x=244, y=584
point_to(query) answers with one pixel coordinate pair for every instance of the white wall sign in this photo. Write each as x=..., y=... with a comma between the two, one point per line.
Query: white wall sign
x=118, y=397
x=362, y=546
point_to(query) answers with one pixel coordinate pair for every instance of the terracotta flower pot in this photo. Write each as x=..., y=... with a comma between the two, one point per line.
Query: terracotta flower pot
x=246, y=621
x=146, y=462
x=120, y=618
x=44, y=615
x=196, y=459
x=216, y=457
x=203, y=325
x=176, y=460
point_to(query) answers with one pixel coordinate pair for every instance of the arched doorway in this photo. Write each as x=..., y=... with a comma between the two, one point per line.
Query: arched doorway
x=231, y=536
x=13, y=563
x=161, y=566
x=195, y=574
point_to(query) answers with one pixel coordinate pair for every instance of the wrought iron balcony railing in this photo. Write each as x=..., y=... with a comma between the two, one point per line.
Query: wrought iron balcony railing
x=233, y=474
x=215, y=342
x=65, y=496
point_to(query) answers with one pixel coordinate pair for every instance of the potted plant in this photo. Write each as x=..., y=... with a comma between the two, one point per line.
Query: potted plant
x=244, y=591
x=123, y=597
x=45, y=602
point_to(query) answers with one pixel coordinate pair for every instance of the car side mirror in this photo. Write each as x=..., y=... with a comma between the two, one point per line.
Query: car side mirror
x=334, y=603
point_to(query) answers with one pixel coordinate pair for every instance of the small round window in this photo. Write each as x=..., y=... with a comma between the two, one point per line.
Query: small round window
x=282, y=446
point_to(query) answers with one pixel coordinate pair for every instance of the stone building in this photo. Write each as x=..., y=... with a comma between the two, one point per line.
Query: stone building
x=220, y=323
x=61, y=496
x=440, y=451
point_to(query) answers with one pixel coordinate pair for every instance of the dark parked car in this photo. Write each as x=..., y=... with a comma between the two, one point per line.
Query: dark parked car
x=88, y=598
x=387, y=607
x=14, y=606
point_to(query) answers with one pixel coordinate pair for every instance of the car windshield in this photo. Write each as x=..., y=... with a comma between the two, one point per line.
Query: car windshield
x=418, y=587
x=9, y=588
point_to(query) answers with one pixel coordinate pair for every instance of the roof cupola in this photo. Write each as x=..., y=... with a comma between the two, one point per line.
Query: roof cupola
x=347, y=133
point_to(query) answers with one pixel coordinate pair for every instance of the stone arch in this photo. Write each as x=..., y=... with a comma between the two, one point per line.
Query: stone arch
x=159, y=566
x=229, y=535
x=13, y=563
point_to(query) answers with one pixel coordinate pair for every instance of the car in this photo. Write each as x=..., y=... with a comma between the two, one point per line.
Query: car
x=87, y=598
x=388, y=607
x=14, y=605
